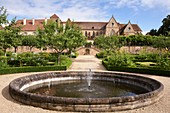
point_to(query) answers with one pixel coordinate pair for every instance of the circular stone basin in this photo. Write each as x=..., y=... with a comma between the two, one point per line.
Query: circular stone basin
x=69, y=91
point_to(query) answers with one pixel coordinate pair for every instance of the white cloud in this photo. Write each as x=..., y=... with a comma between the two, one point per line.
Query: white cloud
x=136, y=4
x=92, y=10
x=74, y=9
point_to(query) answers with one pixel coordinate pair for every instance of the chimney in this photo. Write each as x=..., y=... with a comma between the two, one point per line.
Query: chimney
x=33, y=21
x=45, y=20
x=24, y=21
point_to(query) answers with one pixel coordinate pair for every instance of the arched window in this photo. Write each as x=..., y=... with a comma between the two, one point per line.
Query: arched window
x=86, y=33
x=93, y=34
x=97, y=33
x=101, y=33
x=89, y=34
x=112, y=32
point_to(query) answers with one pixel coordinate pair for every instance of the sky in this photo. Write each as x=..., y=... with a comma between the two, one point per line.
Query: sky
x=148, y=14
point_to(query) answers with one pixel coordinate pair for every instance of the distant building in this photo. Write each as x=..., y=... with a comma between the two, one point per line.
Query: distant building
x=89, y=29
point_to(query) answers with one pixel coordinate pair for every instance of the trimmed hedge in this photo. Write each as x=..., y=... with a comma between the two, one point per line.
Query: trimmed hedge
x=30, y=69
x=138, y=70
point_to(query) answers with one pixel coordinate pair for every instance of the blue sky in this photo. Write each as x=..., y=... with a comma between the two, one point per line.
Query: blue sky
x=147, y=14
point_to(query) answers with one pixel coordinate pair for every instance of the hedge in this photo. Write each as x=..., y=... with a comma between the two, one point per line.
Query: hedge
x=138, y=70
x=30, y=69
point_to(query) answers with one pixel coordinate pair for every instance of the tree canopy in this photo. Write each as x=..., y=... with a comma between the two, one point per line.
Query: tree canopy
x=3, y=16
x=164, y=29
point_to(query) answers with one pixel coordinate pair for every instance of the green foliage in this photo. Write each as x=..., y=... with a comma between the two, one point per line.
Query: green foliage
x=31, y=59
x=1, y=53
x=137, y=70
x=161, y=42
x=3, y=15
x=163, y=63
x=164, y=29
x=29, y=40
x=101, y=54
x=30, y=69
x=110, y=43
x=119, y=60
x=145, y=57
x=88, y=44
x=65, y=61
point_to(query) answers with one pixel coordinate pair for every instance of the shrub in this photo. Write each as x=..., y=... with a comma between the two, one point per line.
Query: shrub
x=101, y=54
x=137, y=70
x=30, y=69
x=1, y=53
x=65, y=61
x=163, y=63
x=120, y=60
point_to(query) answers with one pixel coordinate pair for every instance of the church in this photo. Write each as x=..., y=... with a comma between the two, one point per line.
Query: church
x=89, y=29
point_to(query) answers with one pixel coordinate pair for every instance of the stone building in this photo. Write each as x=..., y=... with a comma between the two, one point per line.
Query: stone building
x=89, y=29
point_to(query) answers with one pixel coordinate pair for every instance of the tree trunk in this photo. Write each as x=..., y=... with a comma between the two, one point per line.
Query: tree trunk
x=15, y=49
x=59, y=58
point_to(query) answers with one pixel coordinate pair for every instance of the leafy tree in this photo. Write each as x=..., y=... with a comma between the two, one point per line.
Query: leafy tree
x=14, y=34
x=161, y=42
x=29, y=40
x=41, y=39
x=110, y=43
x=75, y=38
x=3, y=15
x=165, y=28
x=5, y=38
x=152, y=32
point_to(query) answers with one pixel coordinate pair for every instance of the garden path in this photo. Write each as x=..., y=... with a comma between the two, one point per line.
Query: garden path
x=86, y=62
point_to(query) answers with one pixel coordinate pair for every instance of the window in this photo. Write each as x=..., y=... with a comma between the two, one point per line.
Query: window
x=86, y=33
x=97, y=33
x=112, y=24
x=129, y=28
x=101, y=33
x=92, y=27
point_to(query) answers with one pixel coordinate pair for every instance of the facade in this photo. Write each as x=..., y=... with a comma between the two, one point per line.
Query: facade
x=89, y=29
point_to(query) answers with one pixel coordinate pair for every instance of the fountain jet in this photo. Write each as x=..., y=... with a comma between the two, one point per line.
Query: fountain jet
x=89, y=79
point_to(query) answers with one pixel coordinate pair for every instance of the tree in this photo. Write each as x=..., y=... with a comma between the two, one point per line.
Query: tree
x=162, y=42
x=3, y=15
x=152, y=32
x=165, y=28
x=44, y=36
x=110, y=43
x=5, y=38
x=14, y=34
x=29, y=40
x=75, y=38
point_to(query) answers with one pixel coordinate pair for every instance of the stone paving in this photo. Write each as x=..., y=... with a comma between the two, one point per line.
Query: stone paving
x=8, y=105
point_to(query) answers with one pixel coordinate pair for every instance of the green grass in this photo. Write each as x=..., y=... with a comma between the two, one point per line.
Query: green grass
x=147, y=64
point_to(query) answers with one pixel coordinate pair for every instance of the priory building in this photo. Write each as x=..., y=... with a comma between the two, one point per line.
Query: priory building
x=89, y=29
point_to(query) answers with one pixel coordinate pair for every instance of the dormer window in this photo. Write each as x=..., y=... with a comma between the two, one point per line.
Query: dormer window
x=92, y=27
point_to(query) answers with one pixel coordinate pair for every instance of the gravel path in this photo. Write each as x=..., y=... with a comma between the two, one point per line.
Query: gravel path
x=86, y=62
x=8, y=105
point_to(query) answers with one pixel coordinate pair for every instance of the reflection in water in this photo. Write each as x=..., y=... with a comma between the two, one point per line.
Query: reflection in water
x=79, y=89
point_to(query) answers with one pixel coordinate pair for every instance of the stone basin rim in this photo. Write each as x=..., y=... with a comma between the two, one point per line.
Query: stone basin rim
x=152, y=96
